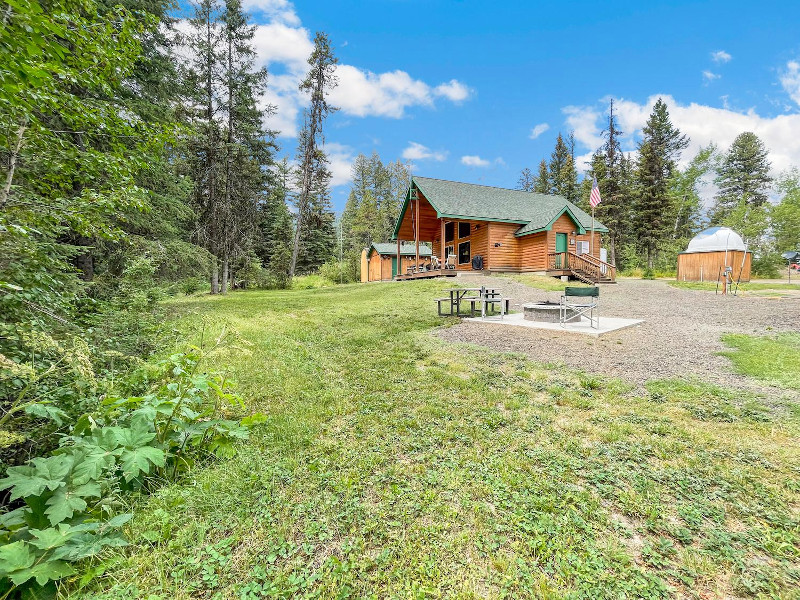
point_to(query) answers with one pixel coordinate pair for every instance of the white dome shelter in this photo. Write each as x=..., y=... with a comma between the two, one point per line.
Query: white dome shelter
x=713, y=251
x=716, y=239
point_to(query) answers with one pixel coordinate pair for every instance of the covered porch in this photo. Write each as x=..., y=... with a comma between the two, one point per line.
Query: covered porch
x=452, y=241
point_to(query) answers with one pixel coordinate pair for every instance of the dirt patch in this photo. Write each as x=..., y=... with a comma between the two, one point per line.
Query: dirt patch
x=680, y=336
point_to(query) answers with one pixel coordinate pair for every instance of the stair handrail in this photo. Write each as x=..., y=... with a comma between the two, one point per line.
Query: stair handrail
x=611, y=270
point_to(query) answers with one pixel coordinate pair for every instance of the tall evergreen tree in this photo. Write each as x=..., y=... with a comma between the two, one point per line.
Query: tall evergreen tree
x=659, y=150
x=607, y=165
x=526, y=180
x=273, y=243
x=542, y=183
x=248, y=147
x=314, y=224
x=743, y=177
x=205, y=151
x=230, y=152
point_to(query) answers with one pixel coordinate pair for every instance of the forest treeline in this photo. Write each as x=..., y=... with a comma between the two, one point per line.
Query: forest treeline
x=653, y=208
x=135, y=163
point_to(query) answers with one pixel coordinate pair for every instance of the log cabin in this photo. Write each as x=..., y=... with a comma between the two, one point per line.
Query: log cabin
x=480, y=228
x=379, y=261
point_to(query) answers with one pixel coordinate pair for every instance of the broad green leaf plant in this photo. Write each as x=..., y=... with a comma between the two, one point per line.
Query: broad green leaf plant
x=67, y=506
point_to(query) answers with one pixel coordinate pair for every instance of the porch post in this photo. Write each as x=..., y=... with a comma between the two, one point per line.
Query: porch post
x=441, y=255
x=399, y=264
x=416, y=234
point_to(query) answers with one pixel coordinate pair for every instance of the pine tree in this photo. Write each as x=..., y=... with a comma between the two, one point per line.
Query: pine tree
x=659, y=150
x=399, y=177
x=607, y=165
x=314, y=224
x=248, y=147
x=742, y=177
x=526, y=181
x=205, y=144
x=273, y=245
x=542, y=183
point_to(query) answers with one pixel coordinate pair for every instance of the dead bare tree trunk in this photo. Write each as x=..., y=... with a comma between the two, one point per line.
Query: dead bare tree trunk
x=224, y=287
x=215, y=277
x=319, y=81
x=12, y=165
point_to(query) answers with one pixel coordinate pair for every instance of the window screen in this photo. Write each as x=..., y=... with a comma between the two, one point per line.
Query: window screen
x=463, y=253
x=463, y=230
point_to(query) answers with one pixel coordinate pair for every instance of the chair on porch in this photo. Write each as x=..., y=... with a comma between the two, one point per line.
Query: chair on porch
x=435, y=264
x=450, y=263
x=578, y=302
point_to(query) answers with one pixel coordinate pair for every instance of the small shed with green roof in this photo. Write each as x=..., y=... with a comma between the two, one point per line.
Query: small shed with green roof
x=379, y=261
x=510, y=230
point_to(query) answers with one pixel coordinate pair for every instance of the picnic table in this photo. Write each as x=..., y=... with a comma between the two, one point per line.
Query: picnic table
x=479, y=299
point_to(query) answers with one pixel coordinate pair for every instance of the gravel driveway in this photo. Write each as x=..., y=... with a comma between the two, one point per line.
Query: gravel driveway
x=680, y=336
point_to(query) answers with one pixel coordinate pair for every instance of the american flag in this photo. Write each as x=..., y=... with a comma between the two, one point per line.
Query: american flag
x=594, y=198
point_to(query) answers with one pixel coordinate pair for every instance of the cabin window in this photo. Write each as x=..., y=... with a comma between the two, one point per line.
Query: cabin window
x=583, y=247
x=449, y=231
x=448, y=250
x=463, y=253
x=463, y=230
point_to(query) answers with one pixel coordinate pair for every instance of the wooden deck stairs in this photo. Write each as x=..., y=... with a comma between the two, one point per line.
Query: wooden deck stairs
x=583, y=267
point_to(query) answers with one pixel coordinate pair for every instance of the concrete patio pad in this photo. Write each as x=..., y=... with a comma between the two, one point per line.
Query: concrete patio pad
x=607, y=324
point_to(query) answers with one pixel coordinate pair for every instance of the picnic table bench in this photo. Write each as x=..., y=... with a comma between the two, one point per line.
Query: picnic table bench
x=478, y=299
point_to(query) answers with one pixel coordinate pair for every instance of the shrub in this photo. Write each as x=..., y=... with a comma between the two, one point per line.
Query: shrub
x=337, y=272
x=766, y=266
x=64, y=504
x=311, y=282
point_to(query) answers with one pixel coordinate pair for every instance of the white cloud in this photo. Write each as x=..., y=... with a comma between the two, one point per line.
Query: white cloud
x=278, y=10
x=340, y=159
x=701, y=123
x=582, y=121
x=790, y=80
x=709, y=76
x=720, y=57
x=453, y=90
x=363, y=93
x=283, y=46
x=474, y=161
x=416, y=151
x=538, y=130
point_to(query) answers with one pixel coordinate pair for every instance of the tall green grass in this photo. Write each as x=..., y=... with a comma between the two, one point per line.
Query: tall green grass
x=394, y=465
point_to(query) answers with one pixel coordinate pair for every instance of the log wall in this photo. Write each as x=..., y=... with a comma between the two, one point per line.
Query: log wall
x=706, y=266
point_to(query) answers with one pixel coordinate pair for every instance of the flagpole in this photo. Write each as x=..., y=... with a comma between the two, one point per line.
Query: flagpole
x=591, y=244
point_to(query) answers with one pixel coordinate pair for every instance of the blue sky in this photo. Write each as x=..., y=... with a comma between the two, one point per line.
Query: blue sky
x=457, y=88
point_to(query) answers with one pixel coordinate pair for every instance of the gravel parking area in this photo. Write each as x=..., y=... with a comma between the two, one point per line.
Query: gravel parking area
x=679, y=338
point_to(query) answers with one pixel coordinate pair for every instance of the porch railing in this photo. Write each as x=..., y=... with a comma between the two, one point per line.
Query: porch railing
x=584, y=266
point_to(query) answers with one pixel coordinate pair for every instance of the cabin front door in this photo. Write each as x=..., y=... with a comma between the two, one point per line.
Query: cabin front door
x=394, y=267
x=561, y=249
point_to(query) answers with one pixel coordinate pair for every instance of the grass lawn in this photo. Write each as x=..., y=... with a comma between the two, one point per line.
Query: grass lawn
x=773, y=359
x=759, y=288
x=394, y=465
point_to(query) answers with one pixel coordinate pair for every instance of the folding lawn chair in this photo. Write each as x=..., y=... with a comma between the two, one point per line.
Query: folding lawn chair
x=579, y=302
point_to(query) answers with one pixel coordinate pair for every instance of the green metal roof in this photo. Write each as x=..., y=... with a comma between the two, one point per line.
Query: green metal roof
x=534, y=212
x=405, y=249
